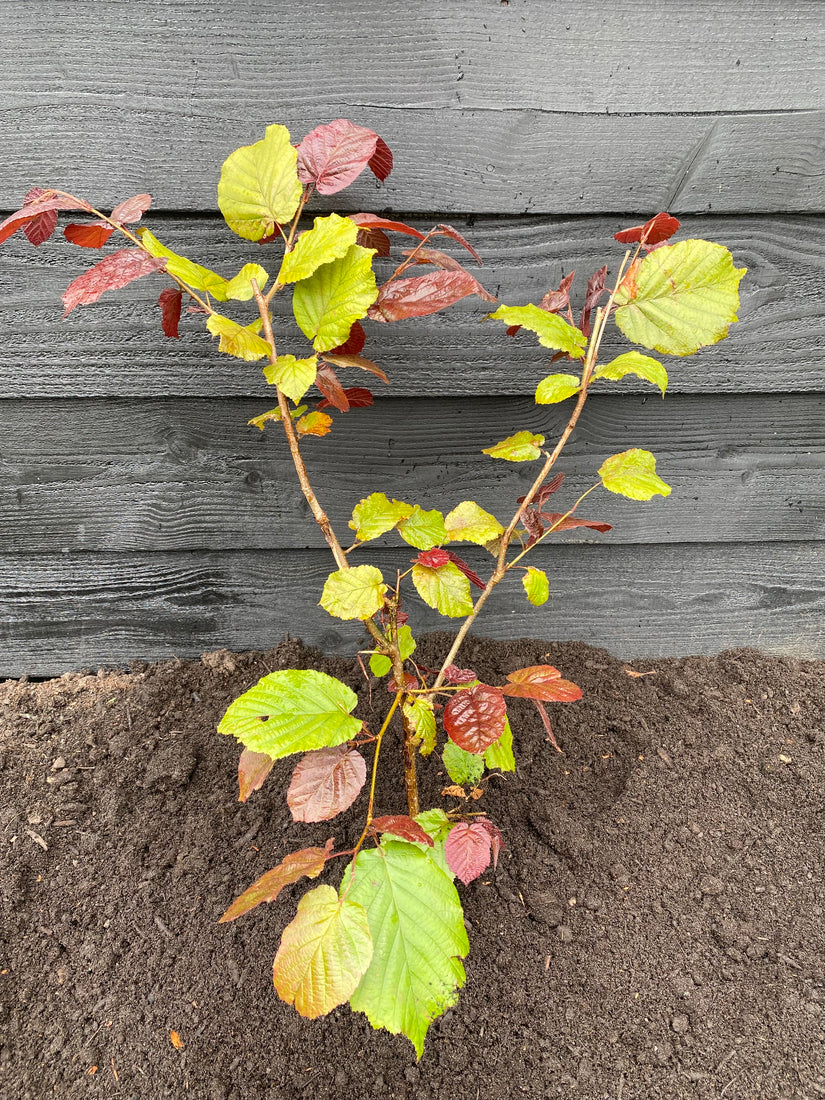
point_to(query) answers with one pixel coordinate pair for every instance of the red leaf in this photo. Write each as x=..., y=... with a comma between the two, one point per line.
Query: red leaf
x=376, y=239
x=433, y=256
x=541, y=682
x=34, y=208
x=426, y=294
x=496, y=839
x=117, y=270
x=358, y=398
x=455, y=675
x=39, y=229
x=595, y=289
x=275, y=235
x=654, y=231
x=354, y=343
x=410, y=681
x=556, y=300
x=327, y=382
x=467, y=850
x=546, y=490
x=511, y=330
x=454, y=235
x=380, y=163
x=170, y=302
x=474, y=718
x=131, y=210
x=333, y=155
x=88, y=234
x=470, y=574
x=403, y=826
x=373, y=221
x=545, y=717
x=355, y=361
x=325, y=783
x=253, y=768
x=551, y=518
x=308, y=862
x=433, y=559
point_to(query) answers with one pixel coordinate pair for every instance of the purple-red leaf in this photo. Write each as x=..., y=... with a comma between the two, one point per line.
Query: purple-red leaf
x=467, y=850
x=376, y=239
x=552, y=520
x=546, y=490
x=426, y=294
x=117, y=270
x=454, y=235
x=474, y=718
x=654, y=231
x=357, y=396
x=373, y=221
x=403, y=826
x=541, y=682
x=545, y=718
x=455, y=675
x=433, y=559
x=253, y=768
x=496, y=839
x=131, y=210
x=354, y=343
x=39, y=229
x=35, y=208
x=469, y=573
x=325, y=783
x=380, y=163
x=306, y=863
x=327, y=382
x=88, y=234
x=170, y=302
x=333, y=155
x=595, y=289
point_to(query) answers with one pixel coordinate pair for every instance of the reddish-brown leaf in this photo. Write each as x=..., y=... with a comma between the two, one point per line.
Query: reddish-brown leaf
x=496, y=839
x=117, y=270
x=170, y=302
x=433, y=256
x=474, y=718
x=131, y=210
x=327, y=382
x=39, y=229
x=455, y=675
x=253, y=768
x=354, y=343
x=348, y=360
x=433, y=559
x=403, y=826
x=380, y=163
x=425, y=294
x=88, y=234
x=595, y=289
x=654, y=231
x=410, y=681
x=546, y=490
x=556, y=300
x=469, y=573
x=454, y=235
x=541, y=682
x=545, y=718
x=307, y=863
x=35, y=208
x=376, y=239
x=373, y=221
x=325, y=783
x=467, y=850
x=552, y=518
x=358, y=398
x=333, y=155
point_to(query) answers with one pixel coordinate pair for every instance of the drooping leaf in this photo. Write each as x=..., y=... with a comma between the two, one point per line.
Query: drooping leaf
x=259, y=186
x=131, y=210
x=349, y=360
x=373, y=221
x=434, y=257
x=88, y=234
x=307, y=863
x=654, y=231
x=325, y=783
x=560, y=522
x=380, y=163
x=115, y=271
x=356, y=593
x=194, y=275
x=633, y=474
x=418, y=934
x=445, y=588
x=496, y=839
x=684, y=297
x=536, y=585
x=293, y=376
x=324, y=953
x=253, y=768
x=419, y=713
x=334, y=393
x=541, y=682
x=41, y=227
x=170, y=302
x=402, y=826
x=468, y=850
x=423, y=529
x=557, y=387
x=464, y=768
x=240, y=341
x=468, y=522
x=521, y=447
x=474, y=718
x=633, y=362
x=443, y=230
x=425, y=294
x=332, y=156
x=295, y=710
x=240, y=289
x=595, y=289
x=354, y=343
x=377, y=514
x=338, y=293
x=329, y=239
x=500, y=754
x=545, y=718
x=357, y=396
x=469, y=573
x=552, y=330
x=36, y=207
x=376, y=239
x=314, y=423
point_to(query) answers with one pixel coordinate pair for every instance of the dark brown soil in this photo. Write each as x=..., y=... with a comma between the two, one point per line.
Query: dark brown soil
x=654, y=930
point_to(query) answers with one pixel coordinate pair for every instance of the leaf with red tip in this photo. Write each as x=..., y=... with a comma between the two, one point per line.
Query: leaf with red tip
x=373, y=221
x=403, y=826
x=657, y=229
x=306, y=863
x=554, y=519
x=131, y=210
x=455, y=675
x=327, y=382
x=348, y=360
x=354, y=343
x=434, y=559
x=380, y=163
x=595, y=289
x=454, y=235
x=116, y=271
x=468, y=848
x=253, y=768
x=325, y=783
x=88, y=234
x=474, y=718
x=376, y=239
x=496, y=839
x=35, y=207
x=332, y=156
x=170, y=302
x=357, y=397
x=469, y=573
x=541, y=682
x=426, y=294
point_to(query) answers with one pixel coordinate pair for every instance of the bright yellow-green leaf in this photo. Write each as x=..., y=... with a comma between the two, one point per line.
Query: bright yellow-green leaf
x=464, y=768
x=423, y=530
x=536, y=586
x=500, y=753
x=324, y=953
x=274, y=414
x=438, y=826
x=259, y=185
x=521, y=447
x=469, y=523
x=557, y=387
x=445, y=588
x=684, y=297
x=328, y=303
x=420, y=715
x=240, y=288
x=377, y=514
x=633, y=362
x=355, y=593
x=553, y=331
x=314, y=423
x=633, y=474
x=293, y=376
x=329, y=239
x=380, y=664
x=199, y=278
x=242, y=342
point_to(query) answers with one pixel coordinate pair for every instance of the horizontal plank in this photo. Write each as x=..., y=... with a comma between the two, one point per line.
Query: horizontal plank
x=191, y=474
x=116, y=347
x=67, y=611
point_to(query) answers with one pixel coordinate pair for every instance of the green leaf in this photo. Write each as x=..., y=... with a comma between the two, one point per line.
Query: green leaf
x=684, y=296
x=633, y=474
x=324, y=953
x=242, y=342
x=418, y=935
x=557, y=387
x=329, y=239
x=355, y=593
x=633, y=362
x=239, y=289
x=500, y=753
x=275, y=414
x=419, y=713
x=536, y=586
x=553, y=331
x=259, y=186
x=469, y=523
x=293, y=376
x=328, y=303
x=464, y=768
x=380, y=664
x=199, y=278
x=437, y=825
x=521, y=447
x=423, y=530
x=292, y=711
x=446, y=589
x=376, y=514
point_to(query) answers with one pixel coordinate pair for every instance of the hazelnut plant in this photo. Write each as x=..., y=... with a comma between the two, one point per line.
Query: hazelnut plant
x=390, y=938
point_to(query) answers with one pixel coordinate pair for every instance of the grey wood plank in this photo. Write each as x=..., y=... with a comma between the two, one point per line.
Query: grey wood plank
x=61, y=612
x=190, y=474
x=115, y=347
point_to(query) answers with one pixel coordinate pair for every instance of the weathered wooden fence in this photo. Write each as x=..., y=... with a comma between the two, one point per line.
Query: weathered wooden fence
x=140, y=517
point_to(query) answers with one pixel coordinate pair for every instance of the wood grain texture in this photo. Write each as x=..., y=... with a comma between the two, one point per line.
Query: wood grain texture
x=186, y=475
x=116, y=347
x=59, y=612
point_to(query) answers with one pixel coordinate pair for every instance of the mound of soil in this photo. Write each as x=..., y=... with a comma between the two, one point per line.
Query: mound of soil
x=654, y=929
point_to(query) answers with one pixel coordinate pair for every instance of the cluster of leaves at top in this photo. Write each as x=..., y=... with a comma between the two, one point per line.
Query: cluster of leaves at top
x=391, y=937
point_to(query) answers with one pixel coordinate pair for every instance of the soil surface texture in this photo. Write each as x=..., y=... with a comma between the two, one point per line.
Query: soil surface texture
x=654, y=928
